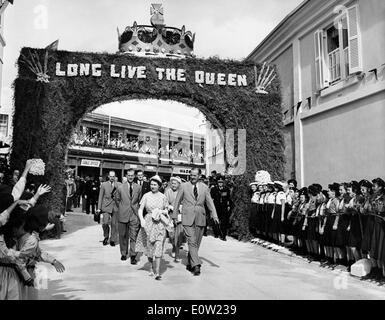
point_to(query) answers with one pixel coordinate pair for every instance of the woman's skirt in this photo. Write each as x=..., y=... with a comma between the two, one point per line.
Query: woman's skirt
x=295, y=225
x=262, y=217
x=377, y=241
x=276, y=221
x=368, y=232
x=253, y=218
x=328, y=239
x=178, y=236
x=269, y=221
x=342, y=231
x=11, y=287
x=151, y=239
x=355, y=233
x=382, y=250
x=285, y=226
x=321, y=237
x=312, y=226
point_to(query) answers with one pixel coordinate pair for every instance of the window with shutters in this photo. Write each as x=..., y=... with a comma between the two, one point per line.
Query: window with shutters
x=338, y=49
x=3, y=125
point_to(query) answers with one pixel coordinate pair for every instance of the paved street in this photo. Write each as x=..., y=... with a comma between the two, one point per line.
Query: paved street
x=231, y=270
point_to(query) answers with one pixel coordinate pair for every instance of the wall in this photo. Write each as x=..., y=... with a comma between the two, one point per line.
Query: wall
x=288, y=134
x=346, y=143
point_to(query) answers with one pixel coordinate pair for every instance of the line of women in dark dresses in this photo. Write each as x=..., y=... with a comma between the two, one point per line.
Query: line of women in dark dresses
x=340, y=225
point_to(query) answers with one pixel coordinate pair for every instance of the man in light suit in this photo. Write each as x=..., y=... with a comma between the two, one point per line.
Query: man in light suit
x=127, y=199
x=193, y=196
x=107, y=206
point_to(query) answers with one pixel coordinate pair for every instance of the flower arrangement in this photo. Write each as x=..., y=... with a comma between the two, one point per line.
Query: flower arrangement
x=37, y=167
x=262, y=177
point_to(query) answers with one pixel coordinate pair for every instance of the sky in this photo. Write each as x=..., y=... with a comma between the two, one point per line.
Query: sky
x=224, y=28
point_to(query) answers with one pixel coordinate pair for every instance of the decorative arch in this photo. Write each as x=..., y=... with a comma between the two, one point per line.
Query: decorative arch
x=50, y=98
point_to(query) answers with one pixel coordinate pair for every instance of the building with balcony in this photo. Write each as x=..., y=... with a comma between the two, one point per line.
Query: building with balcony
x=331, y=63
x=101, y=143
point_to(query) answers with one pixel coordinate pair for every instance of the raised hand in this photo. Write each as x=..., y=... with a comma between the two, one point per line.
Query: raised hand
x=43, y=188
x=58, y=266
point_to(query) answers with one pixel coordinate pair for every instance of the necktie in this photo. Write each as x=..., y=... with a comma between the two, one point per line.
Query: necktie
x=195, y=192
x=130, y=190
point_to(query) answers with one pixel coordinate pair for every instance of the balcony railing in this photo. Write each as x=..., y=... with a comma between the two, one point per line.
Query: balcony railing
x=334, y=65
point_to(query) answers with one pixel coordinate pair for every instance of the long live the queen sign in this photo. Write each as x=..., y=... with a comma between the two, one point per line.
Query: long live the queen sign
x=140, y=72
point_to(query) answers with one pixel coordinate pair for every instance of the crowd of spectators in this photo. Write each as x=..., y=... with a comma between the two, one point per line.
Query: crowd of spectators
x=146, y=145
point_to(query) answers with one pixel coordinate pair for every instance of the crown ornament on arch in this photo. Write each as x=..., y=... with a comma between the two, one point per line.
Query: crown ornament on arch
x=264, y=78
x=156, y=39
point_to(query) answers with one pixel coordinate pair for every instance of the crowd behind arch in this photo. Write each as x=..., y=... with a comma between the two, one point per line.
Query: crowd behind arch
x=147, y=145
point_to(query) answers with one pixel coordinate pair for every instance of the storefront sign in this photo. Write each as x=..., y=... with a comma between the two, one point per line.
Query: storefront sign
x=90, y=163
x=132, y=166
x=181, y=170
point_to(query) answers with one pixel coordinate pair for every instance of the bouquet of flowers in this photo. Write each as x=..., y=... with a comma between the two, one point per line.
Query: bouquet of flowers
x=37, y=168
x=262, y=177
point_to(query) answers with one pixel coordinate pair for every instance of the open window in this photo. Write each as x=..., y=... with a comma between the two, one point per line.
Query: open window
x=338, y=49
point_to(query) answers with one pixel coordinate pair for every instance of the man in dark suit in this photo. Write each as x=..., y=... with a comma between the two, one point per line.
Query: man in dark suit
x=223, y=205
x=90, y=195
x=107, y=206
x=144, y=185
x=127, y=199
x=193, y=196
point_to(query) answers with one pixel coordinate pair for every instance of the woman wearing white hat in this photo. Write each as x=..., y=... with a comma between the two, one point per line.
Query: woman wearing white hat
x=152, y=235
x=177, y=238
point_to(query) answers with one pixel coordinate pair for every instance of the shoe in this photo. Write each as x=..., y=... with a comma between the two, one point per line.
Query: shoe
x=189, y=268
x=197, y=271
x=123, y=258
x=223, y=239
x=158, y=277
x=133, y=260
x=112, y=243
x=105, y=241
x=176, y=260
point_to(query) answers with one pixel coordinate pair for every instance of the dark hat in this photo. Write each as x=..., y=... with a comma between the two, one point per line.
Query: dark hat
x=6, y=199
x=303, y=190
x=334, y=187
x=38, y=216
x=313, y=190
x=379, y=182
x=220, y=179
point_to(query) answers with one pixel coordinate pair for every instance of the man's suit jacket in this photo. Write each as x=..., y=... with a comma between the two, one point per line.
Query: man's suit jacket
x=106, y=201
x=194, y=210
x=145, y=187
x=127, y=206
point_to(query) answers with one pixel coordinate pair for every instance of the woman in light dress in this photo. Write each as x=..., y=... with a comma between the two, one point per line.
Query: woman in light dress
x=152, y=235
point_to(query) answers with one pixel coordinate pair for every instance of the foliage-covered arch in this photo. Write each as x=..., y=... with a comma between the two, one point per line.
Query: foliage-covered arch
x=49, y=102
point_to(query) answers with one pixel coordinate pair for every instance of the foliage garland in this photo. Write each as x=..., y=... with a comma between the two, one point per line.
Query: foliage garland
x=46, y=114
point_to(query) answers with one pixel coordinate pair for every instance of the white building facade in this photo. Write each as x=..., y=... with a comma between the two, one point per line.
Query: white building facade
x=330, y=56
x=5, y=112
